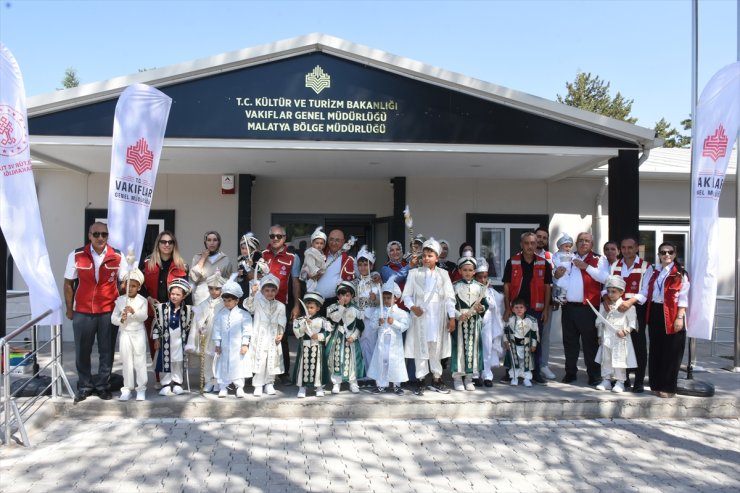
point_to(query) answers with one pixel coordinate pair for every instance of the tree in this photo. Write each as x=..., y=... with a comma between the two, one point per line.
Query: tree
x=70, y=78
x=687, y=126
x=592, y=94
x=669, y=134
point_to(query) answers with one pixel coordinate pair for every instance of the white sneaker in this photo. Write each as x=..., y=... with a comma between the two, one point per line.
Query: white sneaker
x=302, y=392
x=335, y=388
x=605, y=385
x=469, y=385
x=166, y=390
x=546, y=372
x=354, y=388
x=457, y=384
x=223, y=392
x=320, y=392
x=177, y=390
x=515, y=381
x=125, y=395
x=269, y=389
x=618, y=388
x=258, y=391
x=239, y=393
x=141, y=395
x=527, y=382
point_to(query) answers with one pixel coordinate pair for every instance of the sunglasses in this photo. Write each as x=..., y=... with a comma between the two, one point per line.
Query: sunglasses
x=666, y=252
x=98, y=234
x=276, y=237
x=166, y=242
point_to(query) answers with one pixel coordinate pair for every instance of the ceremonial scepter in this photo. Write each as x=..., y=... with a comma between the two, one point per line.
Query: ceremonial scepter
x=410, y=225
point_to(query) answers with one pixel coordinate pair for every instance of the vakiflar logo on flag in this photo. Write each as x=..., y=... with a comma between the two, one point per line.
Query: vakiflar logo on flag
x=140, y=157
x=715, y=146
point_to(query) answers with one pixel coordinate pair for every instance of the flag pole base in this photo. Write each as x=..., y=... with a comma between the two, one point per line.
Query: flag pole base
x=694, y=388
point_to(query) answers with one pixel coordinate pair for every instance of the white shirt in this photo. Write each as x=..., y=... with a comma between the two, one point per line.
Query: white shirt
x=683, y=294
x=627, y=270
x=327, y=284
x=574, y=281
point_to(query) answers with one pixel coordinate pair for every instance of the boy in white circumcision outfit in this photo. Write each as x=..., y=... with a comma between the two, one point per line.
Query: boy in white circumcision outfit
x=616, y=352
x=232, y=330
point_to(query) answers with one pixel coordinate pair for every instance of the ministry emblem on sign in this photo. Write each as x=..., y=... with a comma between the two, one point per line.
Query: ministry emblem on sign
x=715, y=146
x=140, y=157
x=13, y=135
x=318, y=80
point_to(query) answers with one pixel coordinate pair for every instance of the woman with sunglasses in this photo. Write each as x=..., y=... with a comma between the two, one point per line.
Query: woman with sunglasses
x=160, y=268
x=207, y=263
x=666, y=292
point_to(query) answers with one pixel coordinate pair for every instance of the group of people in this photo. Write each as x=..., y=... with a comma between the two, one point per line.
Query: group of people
x=418, y=315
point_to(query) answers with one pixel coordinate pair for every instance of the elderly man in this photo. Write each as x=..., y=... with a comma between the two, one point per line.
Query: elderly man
x=340, y=266
x=529, y=277
x=95, y=268
x=586, y=274
x=634, y=270
x=286, y=267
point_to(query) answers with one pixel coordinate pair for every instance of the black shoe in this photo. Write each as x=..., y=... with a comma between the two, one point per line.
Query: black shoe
x=82, y=395
x=419, y=390
x=378, y=390
x=638, y=389
x=593, y=382
x=569, y=378
x=478, y=382
x=488, y=383
x=627, y=383
x=105, y=395
x=398, y=390
x=537, y=378
x=506, y=378
x=439, y=386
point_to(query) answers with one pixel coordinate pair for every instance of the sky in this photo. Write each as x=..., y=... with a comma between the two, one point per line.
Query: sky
x=641, y=47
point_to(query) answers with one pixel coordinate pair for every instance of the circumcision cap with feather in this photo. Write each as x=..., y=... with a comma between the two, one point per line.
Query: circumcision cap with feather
x=314, y=297
x=232, y=287
x=270, y=280
x=180, y=283
x=215, y=280
x=482, y=265
x=615, y=282
x=366, y=254
x=433, y=245
x=318, y=233
x=390, y=286
x=467, y=259
x=250, y=240
x=135, y=275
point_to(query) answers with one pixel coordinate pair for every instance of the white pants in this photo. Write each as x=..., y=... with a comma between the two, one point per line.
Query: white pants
x=134, y=350
x=337, y=379
x=175, y=375
x=238, y=383
x=619, y=374
x=517, y=372
x=423, y=366
x=262, y=377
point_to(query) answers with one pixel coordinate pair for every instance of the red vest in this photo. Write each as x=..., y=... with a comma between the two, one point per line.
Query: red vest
x=348, y=267
x=94, y=296
x=151, y=277
x=536, y=285
x=634, y=279
x=671, y=289
x=280, y=267
x=591, y=287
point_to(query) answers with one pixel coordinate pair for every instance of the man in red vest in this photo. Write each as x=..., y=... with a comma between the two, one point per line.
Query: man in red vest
x=587, y=273
x=634, y=271
x=95, y=268
x=529, y=276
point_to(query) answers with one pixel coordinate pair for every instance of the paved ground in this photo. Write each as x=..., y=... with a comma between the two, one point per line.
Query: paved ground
x=261, y=454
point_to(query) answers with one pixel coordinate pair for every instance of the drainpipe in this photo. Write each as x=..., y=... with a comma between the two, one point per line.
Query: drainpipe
x=596, y=223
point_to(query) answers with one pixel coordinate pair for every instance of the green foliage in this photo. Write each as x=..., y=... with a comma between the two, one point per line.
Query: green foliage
x=70, y=78
x=592, y=94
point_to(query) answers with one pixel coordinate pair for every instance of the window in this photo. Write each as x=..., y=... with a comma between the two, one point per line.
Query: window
x=497, y=237
x=653, y=234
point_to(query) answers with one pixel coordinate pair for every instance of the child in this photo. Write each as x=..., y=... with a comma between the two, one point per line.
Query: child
x=467, y=345
x=311, y=331
x=314, y=260
x=368, y=296
x=522, y=336
x=232, y=329
x=343, y=352
x=266, y=355
x=130, y=313
x=562, y=257
x=170, y=332
x=493, y=325
x=431, y=298
x=389, y=321
x=616, y=352
x=201, y=339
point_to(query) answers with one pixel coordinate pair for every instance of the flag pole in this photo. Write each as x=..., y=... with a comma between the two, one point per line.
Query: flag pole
x=694, y=97
x=736, y=356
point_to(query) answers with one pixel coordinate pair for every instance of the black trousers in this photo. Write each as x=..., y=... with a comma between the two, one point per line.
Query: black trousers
x=579, y=328
x=87, y=328
x=666, y=352
x=284, y=341
x=639, y=341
